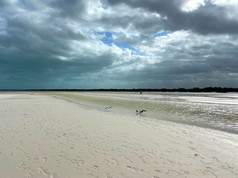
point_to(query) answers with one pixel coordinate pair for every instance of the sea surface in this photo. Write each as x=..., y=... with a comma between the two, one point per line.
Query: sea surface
x=210, y=110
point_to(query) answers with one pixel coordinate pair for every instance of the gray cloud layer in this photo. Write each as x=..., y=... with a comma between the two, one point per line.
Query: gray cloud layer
x=205, y=20
x=59, y=44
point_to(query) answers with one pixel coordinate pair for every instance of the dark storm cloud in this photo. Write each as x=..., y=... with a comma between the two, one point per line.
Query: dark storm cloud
x=48, y=71
x=205, y=20
x=69, y=8
x=175, y=74
x=37, y=48
x=213, y=64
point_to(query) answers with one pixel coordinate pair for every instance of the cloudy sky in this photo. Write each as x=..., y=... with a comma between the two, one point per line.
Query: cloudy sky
x=118, y=43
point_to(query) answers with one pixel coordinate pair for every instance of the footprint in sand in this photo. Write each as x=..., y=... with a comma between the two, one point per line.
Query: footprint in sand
x=43, y=171
x=77, y=163
x=29, y=175
x=216, y=159
x=132, y=168
x=157, y=170
x=95, y=166
x=44, y=159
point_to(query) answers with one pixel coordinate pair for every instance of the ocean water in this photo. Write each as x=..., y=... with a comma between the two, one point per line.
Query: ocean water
x=210, y=110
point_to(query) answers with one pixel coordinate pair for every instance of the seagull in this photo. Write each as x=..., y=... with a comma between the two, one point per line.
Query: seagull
x=108, y=107
x=141, y=111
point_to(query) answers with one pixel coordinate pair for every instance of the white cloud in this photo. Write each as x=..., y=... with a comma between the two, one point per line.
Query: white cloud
x=225, y=2
x=191, y=5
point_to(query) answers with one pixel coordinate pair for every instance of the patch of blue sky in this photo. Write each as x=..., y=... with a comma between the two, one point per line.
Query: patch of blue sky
x=108, y=40
x=106, y=37
x=165, y=33
x=124, y=46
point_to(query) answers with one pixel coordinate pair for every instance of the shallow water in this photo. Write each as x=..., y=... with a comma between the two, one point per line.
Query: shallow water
x=210, y=110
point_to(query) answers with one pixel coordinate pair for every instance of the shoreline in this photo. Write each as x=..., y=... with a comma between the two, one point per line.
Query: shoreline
x=46, y=137
x=172, y=111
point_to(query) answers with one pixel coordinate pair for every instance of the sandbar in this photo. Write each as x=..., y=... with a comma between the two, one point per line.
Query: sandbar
x=46, y=137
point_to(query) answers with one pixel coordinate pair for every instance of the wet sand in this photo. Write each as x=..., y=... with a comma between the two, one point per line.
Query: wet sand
x=185, y=108
x=42, y=136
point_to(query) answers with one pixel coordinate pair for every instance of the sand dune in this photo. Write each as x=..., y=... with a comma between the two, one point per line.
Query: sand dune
x=42, y=136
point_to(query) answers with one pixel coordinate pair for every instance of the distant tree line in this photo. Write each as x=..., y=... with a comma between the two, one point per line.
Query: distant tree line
x=207, y=89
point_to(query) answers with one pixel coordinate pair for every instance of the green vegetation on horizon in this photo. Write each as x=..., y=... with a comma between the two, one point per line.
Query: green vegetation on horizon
x=207, y=89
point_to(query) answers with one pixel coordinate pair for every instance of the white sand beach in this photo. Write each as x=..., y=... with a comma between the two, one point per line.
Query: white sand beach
x=46, y=137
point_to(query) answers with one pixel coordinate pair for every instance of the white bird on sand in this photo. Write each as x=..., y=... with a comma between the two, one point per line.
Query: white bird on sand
x=108, y=107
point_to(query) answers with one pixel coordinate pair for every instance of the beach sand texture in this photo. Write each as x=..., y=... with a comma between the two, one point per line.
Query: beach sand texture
x=46, y=137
